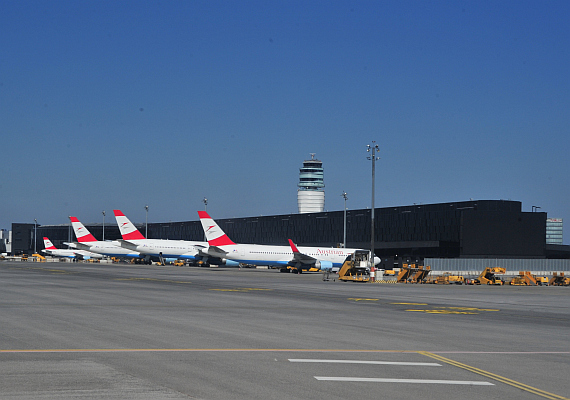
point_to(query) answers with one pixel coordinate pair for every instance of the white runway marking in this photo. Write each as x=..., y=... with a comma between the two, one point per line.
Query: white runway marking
x=420, y=364
x=394, y=380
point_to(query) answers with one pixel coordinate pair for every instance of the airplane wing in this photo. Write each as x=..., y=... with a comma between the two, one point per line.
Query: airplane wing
x=215, y=251
x=127, y=245
x=300, y=257
x=77, y=245
x=202, y=250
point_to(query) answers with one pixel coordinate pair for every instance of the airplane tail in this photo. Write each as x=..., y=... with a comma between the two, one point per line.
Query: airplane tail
x=48, y=244
x=81, y=232
x=128, y=230
x=214, y=234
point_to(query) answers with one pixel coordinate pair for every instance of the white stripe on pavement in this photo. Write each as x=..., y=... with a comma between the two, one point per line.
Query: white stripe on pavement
x=393, y=380
x=308, y=360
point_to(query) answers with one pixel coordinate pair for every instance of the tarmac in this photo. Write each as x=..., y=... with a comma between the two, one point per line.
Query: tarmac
x=119, y=331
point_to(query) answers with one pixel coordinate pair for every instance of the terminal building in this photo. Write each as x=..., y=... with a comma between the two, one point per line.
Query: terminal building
x=481, y=229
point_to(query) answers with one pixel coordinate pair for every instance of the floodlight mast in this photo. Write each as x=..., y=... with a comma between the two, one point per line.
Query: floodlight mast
x=372, y=149
x=103, y=212
x=146, y=222
x=345, y=196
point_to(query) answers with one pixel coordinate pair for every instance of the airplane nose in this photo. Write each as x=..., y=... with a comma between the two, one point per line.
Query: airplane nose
x=376, y=260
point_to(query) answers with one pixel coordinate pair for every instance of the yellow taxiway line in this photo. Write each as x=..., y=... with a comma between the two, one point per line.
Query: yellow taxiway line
x=495, y=377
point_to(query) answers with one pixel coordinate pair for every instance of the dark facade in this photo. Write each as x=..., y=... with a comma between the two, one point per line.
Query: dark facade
x=471, y=229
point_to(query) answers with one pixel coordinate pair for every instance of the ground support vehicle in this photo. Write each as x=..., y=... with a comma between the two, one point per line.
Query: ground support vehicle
x=448, y=279
x=525, y=278
x=355, y=267
x=421, y=274
x=487, y=277
x=559, y=280
x=413, y=274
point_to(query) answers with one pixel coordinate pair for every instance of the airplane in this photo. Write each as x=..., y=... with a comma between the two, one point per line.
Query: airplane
x=51, y=250
x=163, y=248
x=296, y=258
x=86, y=241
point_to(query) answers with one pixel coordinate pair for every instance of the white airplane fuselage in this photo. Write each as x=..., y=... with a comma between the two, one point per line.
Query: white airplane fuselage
x=166, y=248
x=69, y=253
x=111, y=249
x=280, y=256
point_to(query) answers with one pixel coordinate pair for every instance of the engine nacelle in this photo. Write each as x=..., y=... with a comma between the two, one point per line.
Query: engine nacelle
x=324, y=265
x=231, y=263
x=220, y=261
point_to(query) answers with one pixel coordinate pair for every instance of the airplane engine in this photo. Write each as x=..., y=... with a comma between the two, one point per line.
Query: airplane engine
x=220, y=261
x=324, y=265
x=230, y=263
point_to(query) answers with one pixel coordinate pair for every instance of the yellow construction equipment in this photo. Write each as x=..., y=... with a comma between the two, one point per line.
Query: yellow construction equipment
x=559, y=280
x=355, y=267
x=487, y=277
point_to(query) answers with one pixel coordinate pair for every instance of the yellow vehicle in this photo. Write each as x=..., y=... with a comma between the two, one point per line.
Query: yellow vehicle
x=355, y=267
x=179, y=263
x=39, y=257
x=525, y=278
x=559, y=280
x=420, y=274
x=448, y=279
x=542, y=280
x=412, y=274
x=487, y=277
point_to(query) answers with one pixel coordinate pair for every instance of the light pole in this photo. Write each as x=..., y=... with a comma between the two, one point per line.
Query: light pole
x=35, y=234
x=345, y=196
x=372, y=148
x=103, y=225
x=146, y=222
x=205, y=209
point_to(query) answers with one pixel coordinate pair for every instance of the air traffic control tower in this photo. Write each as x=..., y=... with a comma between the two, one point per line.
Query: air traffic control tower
x=310, y=195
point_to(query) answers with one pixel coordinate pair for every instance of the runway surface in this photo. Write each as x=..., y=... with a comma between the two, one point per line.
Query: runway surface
x=115, y=331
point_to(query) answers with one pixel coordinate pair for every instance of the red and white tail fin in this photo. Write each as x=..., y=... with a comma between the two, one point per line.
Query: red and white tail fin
x=128, y=230
x=81, y=231
x=293, y=247
x=214, y=234
x=48, y=244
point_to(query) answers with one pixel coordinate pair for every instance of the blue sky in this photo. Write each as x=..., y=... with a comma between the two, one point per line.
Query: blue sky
x=119, y=104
